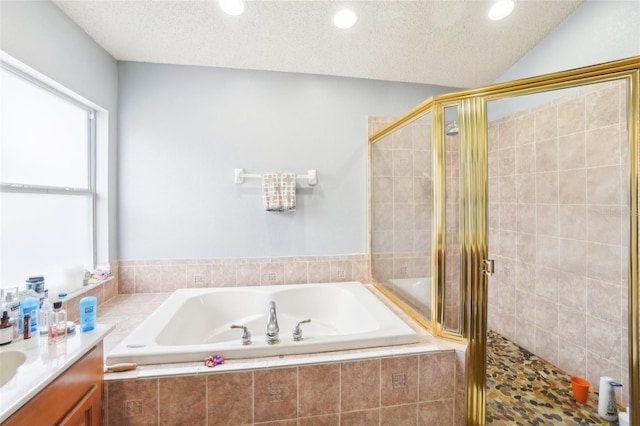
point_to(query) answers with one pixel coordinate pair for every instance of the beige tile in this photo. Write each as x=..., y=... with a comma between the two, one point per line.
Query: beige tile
x=546, y=345
x=402, y=163
x=507, y=188
x=546, y=156
x=525, y=159
x=399, y=380
x=545, y=123
x=572, y=187
x=341, y=271
x=295, y=273
x=603, y=146
x=436, y=413
x=573, y=359
x=248, y=274
x=402, y=190
x=360, y=418
x=230, y=398
x=223, y=274
x=603, y=263
x=271, y=273
x=148, y=278
x=525, y=189
x=547, y=251
x=437, y=376
x=547, y=220
x=403, y=138
x=524, y=125
x=399, y=415
x=572, y=221
x=126, y=279
x=507, y=159
x=275, y=394
x=324, y=420
x=360, y=385
x=526, y=247
x=603, y=185
x=602, y=107
x=508, y=216
x=319, y=389
x=382, y=216
x=382, y=163
x=572, y=291
x=182, y=400
x=572, y=256
x=507, y=133
x=572, y=327
x=604, y=339
x=603, y=224
x=572, y=152
x=382, y=190
x=132, y=402
x=288, y=422
x=173, y=277
x=319, y=272
x=547, y=188
x=547, y=315
x=603, y=301
x=571, y=116
x=199, y=275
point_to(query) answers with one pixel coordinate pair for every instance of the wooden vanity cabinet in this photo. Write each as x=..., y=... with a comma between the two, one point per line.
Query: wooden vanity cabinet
x=73, y=399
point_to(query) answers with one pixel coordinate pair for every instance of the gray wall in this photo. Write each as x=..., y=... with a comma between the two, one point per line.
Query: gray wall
x=184, y=129
x=597, y=32
x=39, y=35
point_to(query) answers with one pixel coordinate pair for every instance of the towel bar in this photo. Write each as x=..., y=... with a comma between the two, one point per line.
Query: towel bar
x=239, y=176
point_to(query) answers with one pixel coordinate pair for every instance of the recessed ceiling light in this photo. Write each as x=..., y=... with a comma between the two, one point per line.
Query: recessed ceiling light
x=345, y=18
x=501, y=9
x=232, y=7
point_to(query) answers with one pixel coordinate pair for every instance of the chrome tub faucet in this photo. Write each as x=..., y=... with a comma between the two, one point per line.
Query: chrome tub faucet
x=271, y=330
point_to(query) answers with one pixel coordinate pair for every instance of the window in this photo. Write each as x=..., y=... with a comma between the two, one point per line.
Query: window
x=47, y=182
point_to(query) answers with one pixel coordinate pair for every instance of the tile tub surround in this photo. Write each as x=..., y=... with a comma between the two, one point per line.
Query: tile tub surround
x=414, y=389
x=161, y=276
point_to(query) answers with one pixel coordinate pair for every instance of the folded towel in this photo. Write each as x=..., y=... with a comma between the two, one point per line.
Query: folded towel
x=279, y=192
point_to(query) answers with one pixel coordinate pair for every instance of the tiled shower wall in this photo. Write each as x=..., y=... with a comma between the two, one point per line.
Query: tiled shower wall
x=558, y=230
x=402, y=202
x=421, y=389
x=160, y=276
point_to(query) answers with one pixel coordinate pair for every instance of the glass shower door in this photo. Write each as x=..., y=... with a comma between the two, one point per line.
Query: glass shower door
x=558, y=231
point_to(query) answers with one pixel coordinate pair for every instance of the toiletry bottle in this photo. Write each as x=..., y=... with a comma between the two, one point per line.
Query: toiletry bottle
x=612, y=406
x=6, y=329
x=88, y=310
x=26, y=325
x=57, y=323
x=13, y=305
x=43, y=317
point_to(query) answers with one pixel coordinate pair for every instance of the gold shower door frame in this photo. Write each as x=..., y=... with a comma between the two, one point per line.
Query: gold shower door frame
x=472, y=118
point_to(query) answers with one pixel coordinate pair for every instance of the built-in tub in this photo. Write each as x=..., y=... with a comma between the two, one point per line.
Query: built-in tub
x=194, y=323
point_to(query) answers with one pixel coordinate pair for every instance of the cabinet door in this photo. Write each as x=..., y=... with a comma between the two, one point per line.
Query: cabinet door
x=87, y=412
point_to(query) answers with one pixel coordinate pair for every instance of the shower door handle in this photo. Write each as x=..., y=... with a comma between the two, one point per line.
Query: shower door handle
x=487, y=267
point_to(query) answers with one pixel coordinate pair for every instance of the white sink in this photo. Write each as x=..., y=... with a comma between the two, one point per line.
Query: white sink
x=9, y=363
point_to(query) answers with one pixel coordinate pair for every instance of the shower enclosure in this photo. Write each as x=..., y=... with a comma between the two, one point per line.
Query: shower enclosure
x=512, y=211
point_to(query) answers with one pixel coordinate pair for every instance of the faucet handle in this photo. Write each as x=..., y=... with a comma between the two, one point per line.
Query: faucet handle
x=297, y=331
x=246, y=335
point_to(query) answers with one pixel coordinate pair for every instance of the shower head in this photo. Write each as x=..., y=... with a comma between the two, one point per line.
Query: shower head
x=451, y=129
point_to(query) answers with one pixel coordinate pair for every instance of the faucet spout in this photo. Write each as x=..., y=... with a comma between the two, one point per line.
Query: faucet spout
x=271, y=330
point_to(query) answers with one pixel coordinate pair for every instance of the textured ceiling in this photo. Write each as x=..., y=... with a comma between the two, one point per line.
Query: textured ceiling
x=449, y=43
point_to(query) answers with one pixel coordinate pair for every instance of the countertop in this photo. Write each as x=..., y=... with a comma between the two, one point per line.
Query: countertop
x=44, y=364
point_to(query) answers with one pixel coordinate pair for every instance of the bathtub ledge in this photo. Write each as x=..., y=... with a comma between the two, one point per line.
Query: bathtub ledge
x=177, y=369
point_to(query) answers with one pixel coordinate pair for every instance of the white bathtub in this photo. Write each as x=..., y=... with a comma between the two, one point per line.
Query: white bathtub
x=194, y=323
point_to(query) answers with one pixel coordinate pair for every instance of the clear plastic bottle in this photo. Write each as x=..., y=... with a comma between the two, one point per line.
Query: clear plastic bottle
x=57, y=323
x=45, y=310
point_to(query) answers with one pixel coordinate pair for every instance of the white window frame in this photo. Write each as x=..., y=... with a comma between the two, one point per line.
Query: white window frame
x=90, y=191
